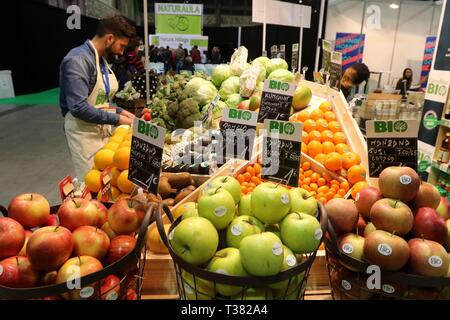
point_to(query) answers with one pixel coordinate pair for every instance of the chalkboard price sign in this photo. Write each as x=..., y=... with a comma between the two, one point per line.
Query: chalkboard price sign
x=147, y=146
x=282, y=151
x=276, y=100
x=391, y=143
x=238, y=130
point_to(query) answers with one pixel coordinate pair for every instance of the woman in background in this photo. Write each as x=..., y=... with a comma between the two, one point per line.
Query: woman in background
x=407, y=77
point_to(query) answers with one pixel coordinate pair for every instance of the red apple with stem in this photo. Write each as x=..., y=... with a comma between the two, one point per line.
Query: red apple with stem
x=90, y=241
x=120, y=247
x=17, y=272
x=429, y=225
x=29, y=209
x=102, y=213
x=12, y=237
x=110, y=288
x=77, y=212
x=125, y=216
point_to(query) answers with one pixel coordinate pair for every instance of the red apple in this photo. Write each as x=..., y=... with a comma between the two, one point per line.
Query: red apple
x=244, y=105
x=12, y=237
x=17, y=272
x=110, y=288
x=29, y=209
x=443, y=210
x=342, y=214
x=255, y=101
x=427, y=196
x=131, y=294
x=23, y=251
x=125, y=216
x=90, y=241
x=49, y=247
x=353, y=285
x=388, y=251
x=102, y=213
x=72, y=270
x=107, y=228
x=361, y=226
x=400, y=183
x=428, y=225
x=49, y=278
x=428, y=258
x=365, y=199
x=120, y=247
x=52, y=220
x=77, y=212
x=392, y=216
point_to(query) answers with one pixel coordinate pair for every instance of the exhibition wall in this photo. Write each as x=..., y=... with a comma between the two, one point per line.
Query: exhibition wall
x=384, y=50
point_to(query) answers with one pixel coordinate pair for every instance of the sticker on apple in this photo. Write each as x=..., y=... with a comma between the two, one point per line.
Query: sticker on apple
x=277, y=249
x=318, y=234
x=290, y=260
x=221, y=271
x=86, y=292
x=285, y=198
x=171, y=235
x=405, y=179
x=346, y=285
x=357, y=197
x=1, y=270
x=236, y=230
x=384, y=249
x=188, y=288
x=387, y=288
x=112, y=296
x=435, y=261
x=347, y=248
x=220, y=211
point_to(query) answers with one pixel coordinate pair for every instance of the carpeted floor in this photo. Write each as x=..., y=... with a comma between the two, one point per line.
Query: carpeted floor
x=47, y=98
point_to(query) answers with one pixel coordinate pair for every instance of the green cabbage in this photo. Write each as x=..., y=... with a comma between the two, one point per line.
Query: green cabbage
x=201, y=90
x=194, y=84
x=233, y=100
x=229, y=86
x=276, y=63
x=218, y=109
x=259, y=87
x=221, y=73
x=282, y=75
x=262, y=61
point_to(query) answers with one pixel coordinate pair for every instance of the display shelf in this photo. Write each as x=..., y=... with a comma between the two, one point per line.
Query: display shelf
x=440, y=166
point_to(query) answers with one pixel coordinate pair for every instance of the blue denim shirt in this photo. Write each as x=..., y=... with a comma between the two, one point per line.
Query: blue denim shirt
x=77, y=78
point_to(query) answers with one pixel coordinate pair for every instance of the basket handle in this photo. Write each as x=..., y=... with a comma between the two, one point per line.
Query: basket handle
x=160, y=224
x=334, y=240
x=143, y=230
x=3, y=210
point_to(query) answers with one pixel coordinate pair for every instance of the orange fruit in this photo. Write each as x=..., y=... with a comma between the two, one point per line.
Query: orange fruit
x=244, y=184
x=314, y=177
x=308, y=173
x=114, y=176
x=103, y=158
x=316, y=114
x=92, y=180
x=328, y=147
x=247, y=177
x=339, y=137
x=250, y=170
x=255, y=180
x=321, y=181
x=125, y=144
x=120, y=131
x=116, y=139
x=125, y=185
x=313, y=186
x=323, y=189
x=305, y=137
x=309, y=125
x=350, y=159
x=306, y=187
x=358, y=187
x=128, y=137
x=326, y=106
x=320, y=157
x=356, y=173
x=333, y=161
x=334, y=126
x=257, y=167
x=327, y=135
x=240, y=178
x=345, y=185
x=314, y=148
x=322, y=199
x=341, y=192
x=111, y=146
x=342, y=148
x=251, y=185
x=243, y=189
x=122, y=159
x=329, y=116
x=326, y=176
x=322, y=125
x=302, y=115
x=315, y=136
x=304, y=148
x=306, y=165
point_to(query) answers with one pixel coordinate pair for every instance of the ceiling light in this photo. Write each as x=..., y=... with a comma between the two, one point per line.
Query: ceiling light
x=394, y=5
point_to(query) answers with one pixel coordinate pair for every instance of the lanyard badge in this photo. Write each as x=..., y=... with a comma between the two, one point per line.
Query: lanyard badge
x=105, y=77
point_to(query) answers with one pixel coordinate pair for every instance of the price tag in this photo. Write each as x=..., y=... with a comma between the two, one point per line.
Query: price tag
x=207, y=116
x=282, y=151
x=238, y=132
x=147, y=146
x=105, y=185
x=335, y=70
x=276, y=100
x=282, y=53
x=294, y=61
x=273, y=51
x=66, y=188
x=391, y=143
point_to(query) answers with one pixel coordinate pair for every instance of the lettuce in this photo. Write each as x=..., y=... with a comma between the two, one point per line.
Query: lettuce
x=221, y=73
x=282, y=75
x=275, y=64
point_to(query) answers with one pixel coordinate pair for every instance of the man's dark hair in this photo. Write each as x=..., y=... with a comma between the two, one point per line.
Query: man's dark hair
x=362, y=73
x=117, y=25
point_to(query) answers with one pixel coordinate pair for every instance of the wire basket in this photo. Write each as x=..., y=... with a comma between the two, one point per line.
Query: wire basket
x=136, y=106
x=129, y=269
x=351, y=279
x=195, y=283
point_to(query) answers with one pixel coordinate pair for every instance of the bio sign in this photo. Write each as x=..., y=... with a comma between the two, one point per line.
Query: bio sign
x=178, y=18
x=276, y=100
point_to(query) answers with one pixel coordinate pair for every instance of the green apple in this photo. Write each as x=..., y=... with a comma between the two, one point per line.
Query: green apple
x=254, y=294
x=289, y=261
x=352, y=245
x=197, y=288
x=228, y=183
x=270, y=202
x=301, y=232
x=274, y=228
x=241, y=227
x=218, y=206
x=193, y=212
x=262, y=254
x=303, y=201
x=195, y=240
x=245, y=205
x=227, y=261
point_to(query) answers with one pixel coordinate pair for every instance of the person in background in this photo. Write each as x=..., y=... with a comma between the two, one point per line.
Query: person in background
x=180, y=55
x=87, y=87
x=129, y=64
x=203, y=57
x=407, y=79
x=166, y=55
x=354, y=76
x=215, y=55
x=195, y=54
x=188, y=64
x=152, y=53
x=173, y=60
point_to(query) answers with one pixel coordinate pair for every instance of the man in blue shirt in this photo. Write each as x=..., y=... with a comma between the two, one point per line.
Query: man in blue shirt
x=88, y=87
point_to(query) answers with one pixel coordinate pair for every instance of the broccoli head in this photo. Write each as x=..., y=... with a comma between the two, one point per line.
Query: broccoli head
x=188, y=112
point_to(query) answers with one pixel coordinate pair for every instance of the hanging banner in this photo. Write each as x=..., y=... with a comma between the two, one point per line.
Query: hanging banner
x=173, y=40
x=178, y=18
x=351, y=45
x=281, y=13
x=430, y=45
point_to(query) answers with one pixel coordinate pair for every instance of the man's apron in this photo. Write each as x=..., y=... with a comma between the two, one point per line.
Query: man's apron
x=85, y=138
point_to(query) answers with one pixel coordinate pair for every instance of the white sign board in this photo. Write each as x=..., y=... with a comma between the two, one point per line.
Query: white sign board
x=281, y=13
x=173, y=40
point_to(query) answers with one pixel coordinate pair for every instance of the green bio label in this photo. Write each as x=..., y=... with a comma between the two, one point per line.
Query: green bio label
x=430, y=120
x=282, y=127
x=390, y=126
x=278, y=85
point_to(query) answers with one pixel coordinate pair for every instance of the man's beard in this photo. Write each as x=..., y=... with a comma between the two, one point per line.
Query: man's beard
x=109, y=55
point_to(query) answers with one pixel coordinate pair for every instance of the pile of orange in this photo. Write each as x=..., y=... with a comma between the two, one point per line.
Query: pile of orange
x=322, y=185
x=250, y=178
